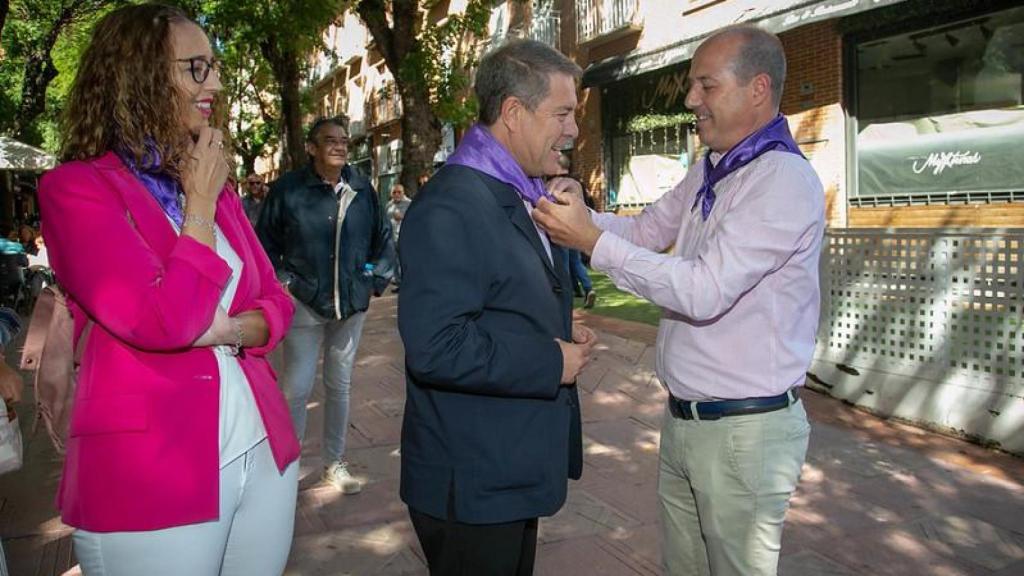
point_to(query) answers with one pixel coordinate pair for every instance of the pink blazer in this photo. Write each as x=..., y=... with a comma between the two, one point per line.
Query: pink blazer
x=143, y=448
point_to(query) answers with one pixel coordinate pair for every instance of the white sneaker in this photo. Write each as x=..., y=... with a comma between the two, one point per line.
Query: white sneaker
x=337, y=475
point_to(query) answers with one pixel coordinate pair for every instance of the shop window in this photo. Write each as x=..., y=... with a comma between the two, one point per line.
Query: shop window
x=649, y=137
x=940, y=113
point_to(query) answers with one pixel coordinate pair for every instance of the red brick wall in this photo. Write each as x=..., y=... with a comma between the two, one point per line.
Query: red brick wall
x=588, y=157
x=814, y=54
x=812, y=101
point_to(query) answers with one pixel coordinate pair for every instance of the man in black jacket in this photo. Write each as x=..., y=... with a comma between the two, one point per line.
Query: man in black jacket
x=325, y=232
x=492, y=429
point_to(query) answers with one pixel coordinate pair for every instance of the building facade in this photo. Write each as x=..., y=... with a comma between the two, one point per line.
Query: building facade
x=911, y=111
x=350, y=79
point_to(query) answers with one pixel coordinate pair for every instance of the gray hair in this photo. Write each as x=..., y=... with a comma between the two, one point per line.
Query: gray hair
x=323, y=121
x=760, y=53
x=519, y=68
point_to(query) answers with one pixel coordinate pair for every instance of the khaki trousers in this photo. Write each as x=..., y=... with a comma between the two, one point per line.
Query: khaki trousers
x=724, y=488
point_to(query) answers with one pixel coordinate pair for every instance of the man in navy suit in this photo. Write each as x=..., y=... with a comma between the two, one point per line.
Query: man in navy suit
x=492, y=420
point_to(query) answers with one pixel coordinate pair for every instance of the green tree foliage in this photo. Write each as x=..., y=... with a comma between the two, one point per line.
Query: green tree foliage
x=269, y=41
x=41, y=43
x=430, y=64
x=253, y=114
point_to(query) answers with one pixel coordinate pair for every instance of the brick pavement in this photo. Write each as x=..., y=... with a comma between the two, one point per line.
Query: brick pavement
x=877, y=497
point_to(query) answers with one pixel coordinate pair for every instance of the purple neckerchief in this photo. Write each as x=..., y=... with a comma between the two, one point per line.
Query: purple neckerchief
x=480, y=151
x=774, y=135
x=163, y=188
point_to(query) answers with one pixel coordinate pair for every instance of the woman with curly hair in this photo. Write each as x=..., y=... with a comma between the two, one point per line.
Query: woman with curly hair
x=181, y=458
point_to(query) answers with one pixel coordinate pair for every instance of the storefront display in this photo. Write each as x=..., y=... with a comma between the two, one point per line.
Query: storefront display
x=649, y=137
x=940, y=113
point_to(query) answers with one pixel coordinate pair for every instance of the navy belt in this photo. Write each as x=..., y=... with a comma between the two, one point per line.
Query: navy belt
x=715, y=409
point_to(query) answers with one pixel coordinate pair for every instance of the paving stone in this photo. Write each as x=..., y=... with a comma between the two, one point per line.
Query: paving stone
x=376, y=428
x=642, y=544
x=605, y=405
x=590, y=556
x=876, y=497
x=593, y=374
x=584, y=515
x=807, y=563
x=375, y=550
x=1015, y=569
x=623, y=445
x=635, y=496
x=973, y=540
x=896, y=551
x=376, y=504
x=40, y=555
x=629, y=350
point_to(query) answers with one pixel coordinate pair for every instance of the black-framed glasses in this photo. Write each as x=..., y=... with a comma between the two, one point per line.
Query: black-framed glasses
x=200, y=67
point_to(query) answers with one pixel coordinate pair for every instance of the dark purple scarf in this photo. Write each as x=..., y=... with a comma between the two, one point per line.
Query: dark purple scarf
x=164, y=189
x=774, y=135
x=480, y=151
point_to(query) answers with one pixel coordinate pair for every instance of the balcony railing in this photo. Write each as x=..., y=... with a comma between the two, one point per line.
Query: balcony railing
x=546, y=28
x=383, y=107
x=597, y=18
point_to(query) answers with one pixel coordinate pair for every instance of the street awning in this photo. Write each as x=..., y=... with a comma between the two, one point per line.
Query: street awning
x=775, y=17
x=19, y=156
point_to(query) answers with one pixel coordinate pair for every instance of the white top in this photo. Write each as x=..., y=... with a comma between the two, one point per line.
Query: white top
x=241, y=427
x=739, y=293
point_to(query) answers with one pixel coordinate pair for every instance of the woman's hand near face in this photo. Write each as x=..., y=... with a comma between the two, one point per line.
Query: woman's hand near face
x=202, y=181
x=206, y=173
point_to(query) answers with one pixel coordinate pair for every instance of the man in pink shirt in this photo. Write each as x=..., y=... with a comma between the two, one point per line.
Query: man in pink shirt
x=739, y=296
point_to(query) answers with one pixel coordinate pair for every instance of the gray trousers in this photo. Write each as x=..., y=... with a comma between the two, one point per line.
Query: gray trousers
x=339, y=340
x=724, y=488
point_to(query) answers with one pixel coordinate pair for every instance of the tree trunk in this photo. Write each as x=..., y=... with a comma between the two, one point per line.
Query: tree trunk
x=421, y=130
x=421, y=134
x=291, y=117
x=248, y=162
x=39, y=72
x=285, y=66
x=5, y=7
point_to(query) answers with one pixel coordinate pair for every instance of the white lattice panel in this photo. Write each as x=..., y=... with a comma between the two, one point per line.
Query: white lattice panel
x=927, y=304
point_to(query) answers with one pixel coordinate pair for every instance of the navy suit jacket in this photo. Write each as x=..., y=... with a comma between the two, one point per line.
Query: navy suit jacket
x=489, y=434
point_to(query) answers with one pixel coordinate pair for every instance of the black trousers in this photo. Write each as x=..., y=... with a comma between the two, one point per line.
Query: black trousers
x=456, y=549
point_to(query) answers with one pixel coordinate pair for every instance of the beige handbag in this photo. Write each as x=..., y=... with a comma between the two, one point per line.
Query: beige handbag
x=48, y=351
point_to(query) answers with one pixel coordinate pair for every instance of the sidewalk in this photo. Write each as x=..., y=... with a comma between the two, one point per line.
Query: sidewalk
x=877, y=498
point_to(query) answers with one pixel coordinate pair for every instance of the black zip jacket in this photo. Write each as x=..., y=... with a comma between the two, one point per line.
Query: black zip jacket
x=324, y=267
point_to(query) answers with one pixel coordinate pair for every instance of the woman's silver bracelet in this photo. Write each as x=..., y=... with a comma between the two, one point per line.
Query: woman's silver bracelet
x=236, y=348
x=200, y=221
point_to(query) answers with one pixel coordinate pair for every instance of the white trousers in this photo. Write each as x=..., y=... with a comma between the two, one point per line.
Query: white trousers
x=252, y=536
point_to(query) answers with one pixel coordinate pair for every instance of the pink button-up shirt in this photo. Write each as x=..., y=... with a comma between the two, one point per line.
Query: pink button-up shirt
x=739, y=293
